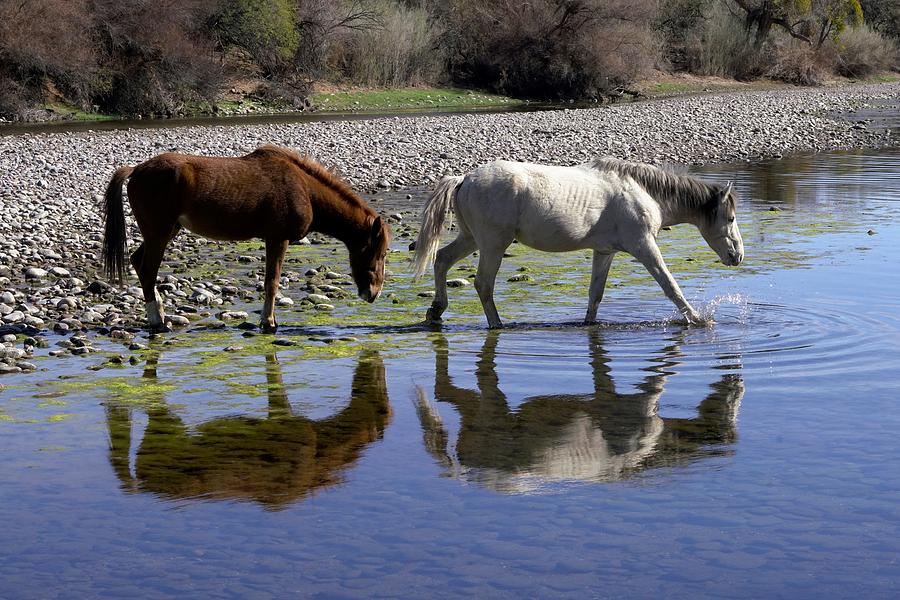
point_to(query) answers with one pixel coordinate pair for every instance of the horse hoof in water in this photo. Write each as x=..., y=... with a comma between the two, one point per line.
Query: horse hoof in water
x=265, y=328
x=162, y=328
x=432, y=317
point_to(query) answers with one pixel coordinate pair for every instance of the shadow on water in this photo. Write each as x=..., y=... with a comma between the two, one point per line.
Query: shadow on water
x=274, y=461
x=603, y=435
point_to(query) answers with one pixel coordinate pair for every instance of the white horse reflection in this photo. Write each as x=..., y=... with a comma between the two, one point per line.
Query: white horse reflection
x=600, y=436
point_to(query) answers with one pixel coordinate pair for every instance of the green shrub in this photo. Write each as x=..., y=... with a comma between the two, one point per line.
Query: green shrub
x=266, y=29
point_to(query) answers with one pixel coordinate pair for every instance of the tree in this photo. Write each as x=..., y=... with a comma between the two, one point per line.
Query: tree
x=789, y=15
x=800, y=18
x=834, y=16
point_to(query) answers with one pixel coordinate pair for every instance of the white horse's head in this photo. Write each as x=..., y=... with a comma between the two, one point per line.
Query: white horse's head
x=720, y=228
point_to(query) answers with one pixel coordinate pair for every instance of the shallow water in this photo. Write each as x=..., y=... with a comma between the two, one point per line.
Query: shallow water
x=754, y=458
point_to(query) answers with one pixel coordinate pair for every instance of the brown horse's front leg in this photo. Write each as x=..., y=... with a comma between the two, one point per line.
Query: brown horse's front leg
x=275, y=251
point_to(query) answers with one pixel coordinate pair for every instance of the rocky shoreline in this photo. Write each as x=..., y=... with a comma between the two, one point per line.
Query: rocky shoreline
x=50, y=184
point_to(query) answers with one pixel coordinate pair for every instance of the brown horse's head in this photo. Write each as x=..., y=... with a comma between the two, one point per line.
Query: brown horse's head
x=367, y=260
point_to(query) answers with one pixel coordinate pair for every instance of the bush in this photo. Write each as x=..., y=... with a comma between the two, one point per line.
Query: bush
x=558, y=49
x=41, y=41
x=720, y=44
x=266, y=29
x=155, y=57
x=402, y=51
x=801, y=64
x=862, y=52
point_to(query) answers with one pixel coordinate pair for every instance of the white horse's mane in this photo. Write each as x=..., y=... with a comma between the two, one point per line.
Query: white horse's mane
x=664, y=183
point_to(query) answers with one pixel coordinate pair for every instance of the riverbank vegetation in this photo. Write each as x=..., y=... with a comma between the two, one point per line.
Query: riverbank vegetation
x=132, y=57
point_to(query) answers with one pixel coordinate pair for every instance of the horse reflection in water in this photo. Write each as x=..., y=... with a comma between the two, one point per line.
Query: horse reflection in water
x=274, y=461
x=602, y=436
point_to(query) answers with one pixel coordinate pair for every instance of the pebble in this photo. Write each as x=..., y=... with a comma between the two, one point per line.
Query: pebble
x=460, y=282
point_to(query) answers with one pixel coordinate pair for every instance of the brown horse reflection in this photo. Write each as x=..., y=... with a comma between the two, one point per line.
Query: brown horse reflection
x=274, y=461
x=601, y=436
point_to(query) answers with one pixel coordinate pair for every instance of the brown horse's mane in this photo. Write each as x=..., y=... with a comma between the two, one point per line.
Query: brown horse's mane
x=321, y=174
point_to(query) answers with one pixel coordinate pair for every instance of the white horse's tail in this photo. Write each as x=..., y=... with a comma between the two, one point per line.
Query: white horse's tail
x=435, y=211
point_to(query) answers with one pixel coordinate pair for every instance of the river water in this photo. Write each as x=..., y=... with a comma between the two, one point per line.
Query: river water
x=754, y=458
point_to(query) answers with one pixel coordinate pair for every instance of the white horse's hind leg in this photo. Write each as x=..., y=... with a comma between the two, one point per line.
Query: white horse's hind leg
x=446, y=257
x=488, y=265
x=599, y=273
x=647, y=252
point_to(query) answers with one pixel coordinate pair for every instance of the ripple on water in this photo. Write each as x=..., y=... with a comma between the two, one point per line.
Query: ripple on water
x=834, y=336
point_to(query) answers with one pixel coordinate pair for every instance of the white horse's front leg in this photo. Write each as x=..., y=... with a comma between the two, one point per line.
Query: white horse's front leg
x=488, y=265
x=647, y=252
x=599, y=273
x=446, y=257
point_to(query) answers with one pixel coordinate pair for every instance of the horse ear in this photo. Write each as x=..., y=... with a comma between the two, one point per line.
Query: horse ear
x=377, y=228
x=727, y=189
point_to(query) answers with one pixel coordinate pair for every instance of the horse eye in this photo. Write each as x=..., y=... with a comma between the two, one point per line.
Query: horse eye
x=731, y=219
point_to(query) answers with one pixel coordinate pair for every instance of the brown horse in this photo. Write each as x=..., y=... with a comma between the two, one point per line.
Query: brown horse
x=272, y=193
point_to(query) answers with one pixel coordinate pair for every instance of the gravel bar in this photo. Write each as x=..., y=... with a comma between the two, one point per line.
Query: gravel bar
x=51, y=183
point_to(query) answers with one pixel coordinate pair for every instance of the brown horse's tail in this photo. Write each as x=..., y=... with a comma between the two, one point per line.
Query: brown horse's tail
x=114, y=232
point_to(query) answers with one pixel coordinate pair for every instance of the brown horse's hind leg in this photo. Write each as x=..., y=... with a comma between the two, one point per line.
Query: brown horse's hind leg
x=137, y=257
x=275, y=251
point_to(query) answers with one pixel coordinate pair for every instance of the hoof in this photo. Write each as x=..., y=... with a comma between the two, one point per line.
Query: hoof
x=161, y=328
x=433, y=316
x=266, y=328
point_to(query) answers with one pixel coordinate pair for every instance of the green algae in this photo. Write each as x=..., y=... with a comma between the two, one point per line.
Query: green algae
x=60, y=417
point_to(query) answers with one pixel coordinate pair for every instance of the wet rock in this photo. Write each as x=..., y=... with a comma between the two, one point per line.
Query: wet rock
x=232, y=315
x=459, y=282
x=99, y=287
x=14, y=317
x=178, y=320
x=7, y=368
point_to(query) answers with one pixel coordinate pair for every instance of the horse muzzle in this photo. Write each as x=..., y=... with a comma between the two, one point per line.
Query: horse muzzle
x=733, y=259
x=369, y=296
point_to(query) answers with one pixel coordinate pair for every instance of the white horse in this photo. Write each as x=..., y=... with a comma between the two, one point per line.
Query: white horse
x=607, y=205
